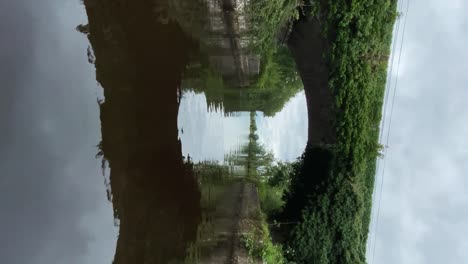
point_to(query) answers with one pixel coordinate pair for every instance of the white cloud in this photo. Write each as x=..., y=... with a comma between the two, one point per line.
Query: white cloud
x=424, y=199
x=285, y=134
x=208, y=135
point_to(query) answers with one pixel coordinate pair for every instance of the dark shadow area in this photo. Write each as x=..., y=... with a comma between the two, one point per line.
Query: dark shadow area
x=139, y=62
x=310, y=176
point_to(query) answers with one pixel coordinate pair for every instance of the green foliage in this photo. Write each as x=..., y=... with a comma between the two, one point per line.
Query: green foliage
x=273, y=185
x=260, y=246
x=277, y=84
x=267, y=18
x=332, y=200
x=280, y=175
x=271, y=198
x=308, y=178
x=272, y=180
x=278, y=80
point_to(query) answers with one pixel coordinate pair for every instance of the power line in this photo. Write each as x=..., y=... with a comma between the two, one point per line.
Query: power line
x=388, y=86
x=389, y=129
x=389, y=78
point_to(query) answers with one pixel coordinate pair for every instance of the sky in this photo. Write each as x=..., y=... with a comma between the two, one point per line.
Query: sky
x=52, y=195
x=53, y=202
x=208, y=135
x=285, y=134
x=423, y=216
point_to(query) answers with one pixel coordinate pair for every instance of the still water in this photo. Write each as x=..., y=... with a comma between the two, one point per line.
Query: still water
x=131, y=139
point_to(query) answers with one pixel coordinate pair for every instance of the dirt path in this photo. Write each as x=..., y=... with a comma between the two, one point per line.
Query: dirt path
x=234, y=216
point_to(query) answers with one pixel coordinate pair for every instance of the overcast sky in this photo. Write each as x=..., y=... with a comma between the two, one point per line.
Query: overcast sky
x=53, y=207
x=208, y=135
x=52, y=196
x=285, y=134
x=423, y=215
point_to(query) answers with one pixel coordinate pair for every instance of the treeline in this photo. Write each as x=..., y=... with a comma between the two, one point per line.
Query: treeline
x=276, y=84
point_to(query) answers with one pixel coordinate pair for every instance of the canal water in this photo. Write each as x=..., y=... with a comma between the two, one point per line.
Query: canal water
x=132, y=132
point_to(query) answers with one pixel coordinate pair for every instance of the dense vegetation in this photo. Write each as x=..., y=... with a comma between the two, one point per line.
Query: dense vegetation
x=270, y=21
x=328, y=192
x=334, y=188
x=260, y=246
x=277, y=83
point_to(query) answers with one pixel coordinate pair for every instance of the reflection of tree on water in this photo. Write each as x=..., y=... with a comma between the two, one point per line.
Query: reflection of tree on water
x=257, y=157
x=139, y=61
x=220, y=26
x=227, y=200
x=277, y=83
x=228, y=67
x=140, y=55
